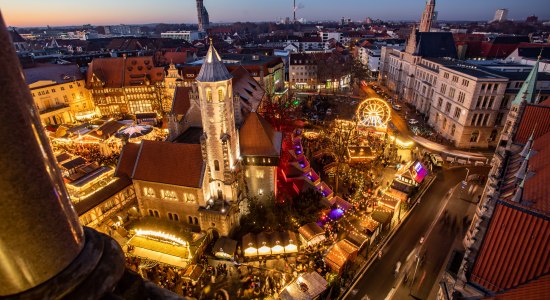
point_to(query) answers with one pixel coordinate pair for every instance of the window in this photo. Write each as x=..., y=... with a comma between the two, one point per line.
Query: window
x=168, y=195
x=461, y=97
x=455, y=78
x=446, y=75
x=151, y=213
x=157, y=214
x=457, y=112
x=483, y=86
x=465, y=82
x=444, y=123
x=479, y=100
x=453, y=129
x=474, y=137
x=209, y=96
x=448, y=107
x=216, y=165
x=260, y=174
x=190, y=219
x=439, y=102
x=491, y=101
x=452, y=92
x=197, y=221
x=495, y=87
x=62, y=88
x=474, y=118
x=485, y=119
x=148, y=192
x=65, y=98
x=170, y=216
x=498, y=120
x=443, y=88
x=504, y=103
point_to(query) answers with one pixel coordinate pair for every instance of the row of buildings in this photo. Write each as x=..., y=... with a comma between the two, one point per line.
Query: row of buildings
x=466, y=102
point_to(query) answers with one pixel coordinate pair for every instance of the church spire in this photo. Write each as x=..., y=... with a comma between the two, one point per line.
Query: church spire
x=527, y=148
x=213, y=69
x=519, y=192
x=522, y=171
x=528, y=89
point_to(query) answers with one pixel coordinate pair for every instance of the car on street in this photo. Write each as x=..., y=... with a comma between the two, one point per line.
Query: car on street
x=396, y=107
x=436, y=159
x=413, y=121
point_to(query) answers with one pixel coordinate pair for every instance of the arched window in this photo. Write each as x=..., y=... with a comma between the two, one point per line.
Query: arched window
x=453, y=128
x=176, y=218
x=216, y=165
x=157, y=214
x=474, y=137
x=220, y=95
x=151, y=213
x=196, y=221
x=444, y=123
x=209, y=96
x=170, y=216
x=190, y=220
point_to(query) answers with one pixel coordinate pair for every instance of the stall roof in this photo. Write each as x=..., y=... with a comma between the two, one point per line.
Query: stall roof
x=157, y=246
x=310, y=231
x=307, y=287
x=73, y=163
x=225, y=245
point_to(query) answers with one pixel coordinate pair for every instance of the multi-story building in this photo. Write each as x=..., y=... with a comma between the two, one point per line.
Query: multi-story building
x=466, y=102
x=326, y=36
x=506, y=246
x=302, y=71
x=126, y=85
x=501, y=15
x=189, y=36
x=269, y=71
x=60, y=93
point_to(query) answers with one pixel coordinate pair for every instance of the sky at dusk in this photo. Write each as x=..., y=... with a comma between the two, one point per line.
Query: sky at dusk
x=102, y=12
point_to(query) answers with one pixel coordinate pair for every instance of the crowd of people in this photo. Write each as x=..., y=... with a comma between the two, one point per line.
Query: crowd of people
x=90, y=152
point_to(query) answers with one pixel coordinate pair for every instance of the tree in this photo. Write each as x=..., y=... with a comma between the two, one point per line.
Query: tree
x=278, y=109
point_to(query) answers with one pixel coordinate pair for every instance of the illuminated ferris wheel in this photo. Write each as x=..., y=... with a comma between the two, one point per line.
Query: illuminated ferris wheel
x=373, y=112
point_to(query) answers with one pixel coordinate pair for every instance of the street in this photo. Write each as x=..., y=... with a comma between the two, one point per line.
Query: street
x=379, y=281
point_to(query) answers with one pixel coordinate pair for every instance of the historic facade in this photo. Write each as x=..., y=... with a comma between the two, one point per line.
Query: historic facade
x=220, y=152
x=123, y=85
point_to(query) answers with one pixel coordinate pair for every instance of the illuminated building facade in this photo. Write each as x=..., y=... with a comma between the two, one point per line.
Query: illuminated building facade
x=123, y=85
x=60, y=93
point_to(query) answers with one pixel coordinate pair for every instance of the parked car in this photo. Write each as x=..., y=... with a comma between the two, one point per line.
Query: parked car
x=396, y=107
x=413, y=121
x=436, y=159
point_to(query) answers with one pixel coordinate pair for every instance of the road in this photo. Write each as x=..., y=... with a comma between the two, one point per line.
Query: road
x=379, y=280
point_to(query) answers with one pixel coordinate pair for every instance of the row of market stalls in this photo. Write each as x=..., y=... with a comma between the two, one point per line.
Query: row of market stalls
x=299, y=173
x=275, y=243
x=108, y=134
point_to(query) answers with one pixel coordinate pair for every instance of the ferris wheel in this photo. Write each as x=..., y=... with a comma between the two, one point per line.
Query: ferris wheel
x=373, y=112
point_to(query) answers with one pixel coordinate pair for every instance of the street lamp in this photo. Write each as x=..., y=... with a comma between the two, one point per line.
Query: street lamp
x=465, y=181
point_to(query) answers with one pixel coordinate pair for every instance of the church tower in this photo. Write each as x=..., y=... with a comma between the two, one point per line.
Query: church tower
x=220, y=140
x=427, y=16
x=526, y=95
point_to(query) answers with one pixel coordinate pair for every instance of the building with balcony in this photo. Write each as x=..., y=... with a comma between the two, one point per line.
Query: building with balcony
x=60, y=94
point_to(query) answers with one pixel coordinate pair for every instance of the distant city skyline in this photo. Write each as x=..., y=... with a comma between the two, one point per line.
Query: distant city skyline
x=104, y=12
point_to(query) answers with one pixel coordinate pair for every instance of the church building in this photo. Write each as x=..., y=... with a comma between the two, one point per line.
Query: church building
x=219, y=153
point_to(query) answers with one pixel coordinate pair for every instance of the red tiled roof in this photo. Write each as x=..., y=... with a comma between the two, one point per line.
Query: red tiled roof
x=536, y=192
x=535, y=117
x=127, y=160
x=176, y=57
x=170, y=163
x=182, y=101
x=534, y=290
x=118, y=72
x=515, y=250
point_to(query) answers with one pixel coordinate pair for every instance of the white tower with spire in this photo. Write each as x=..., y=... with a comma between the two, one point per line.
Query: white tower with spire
x=220, y=138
